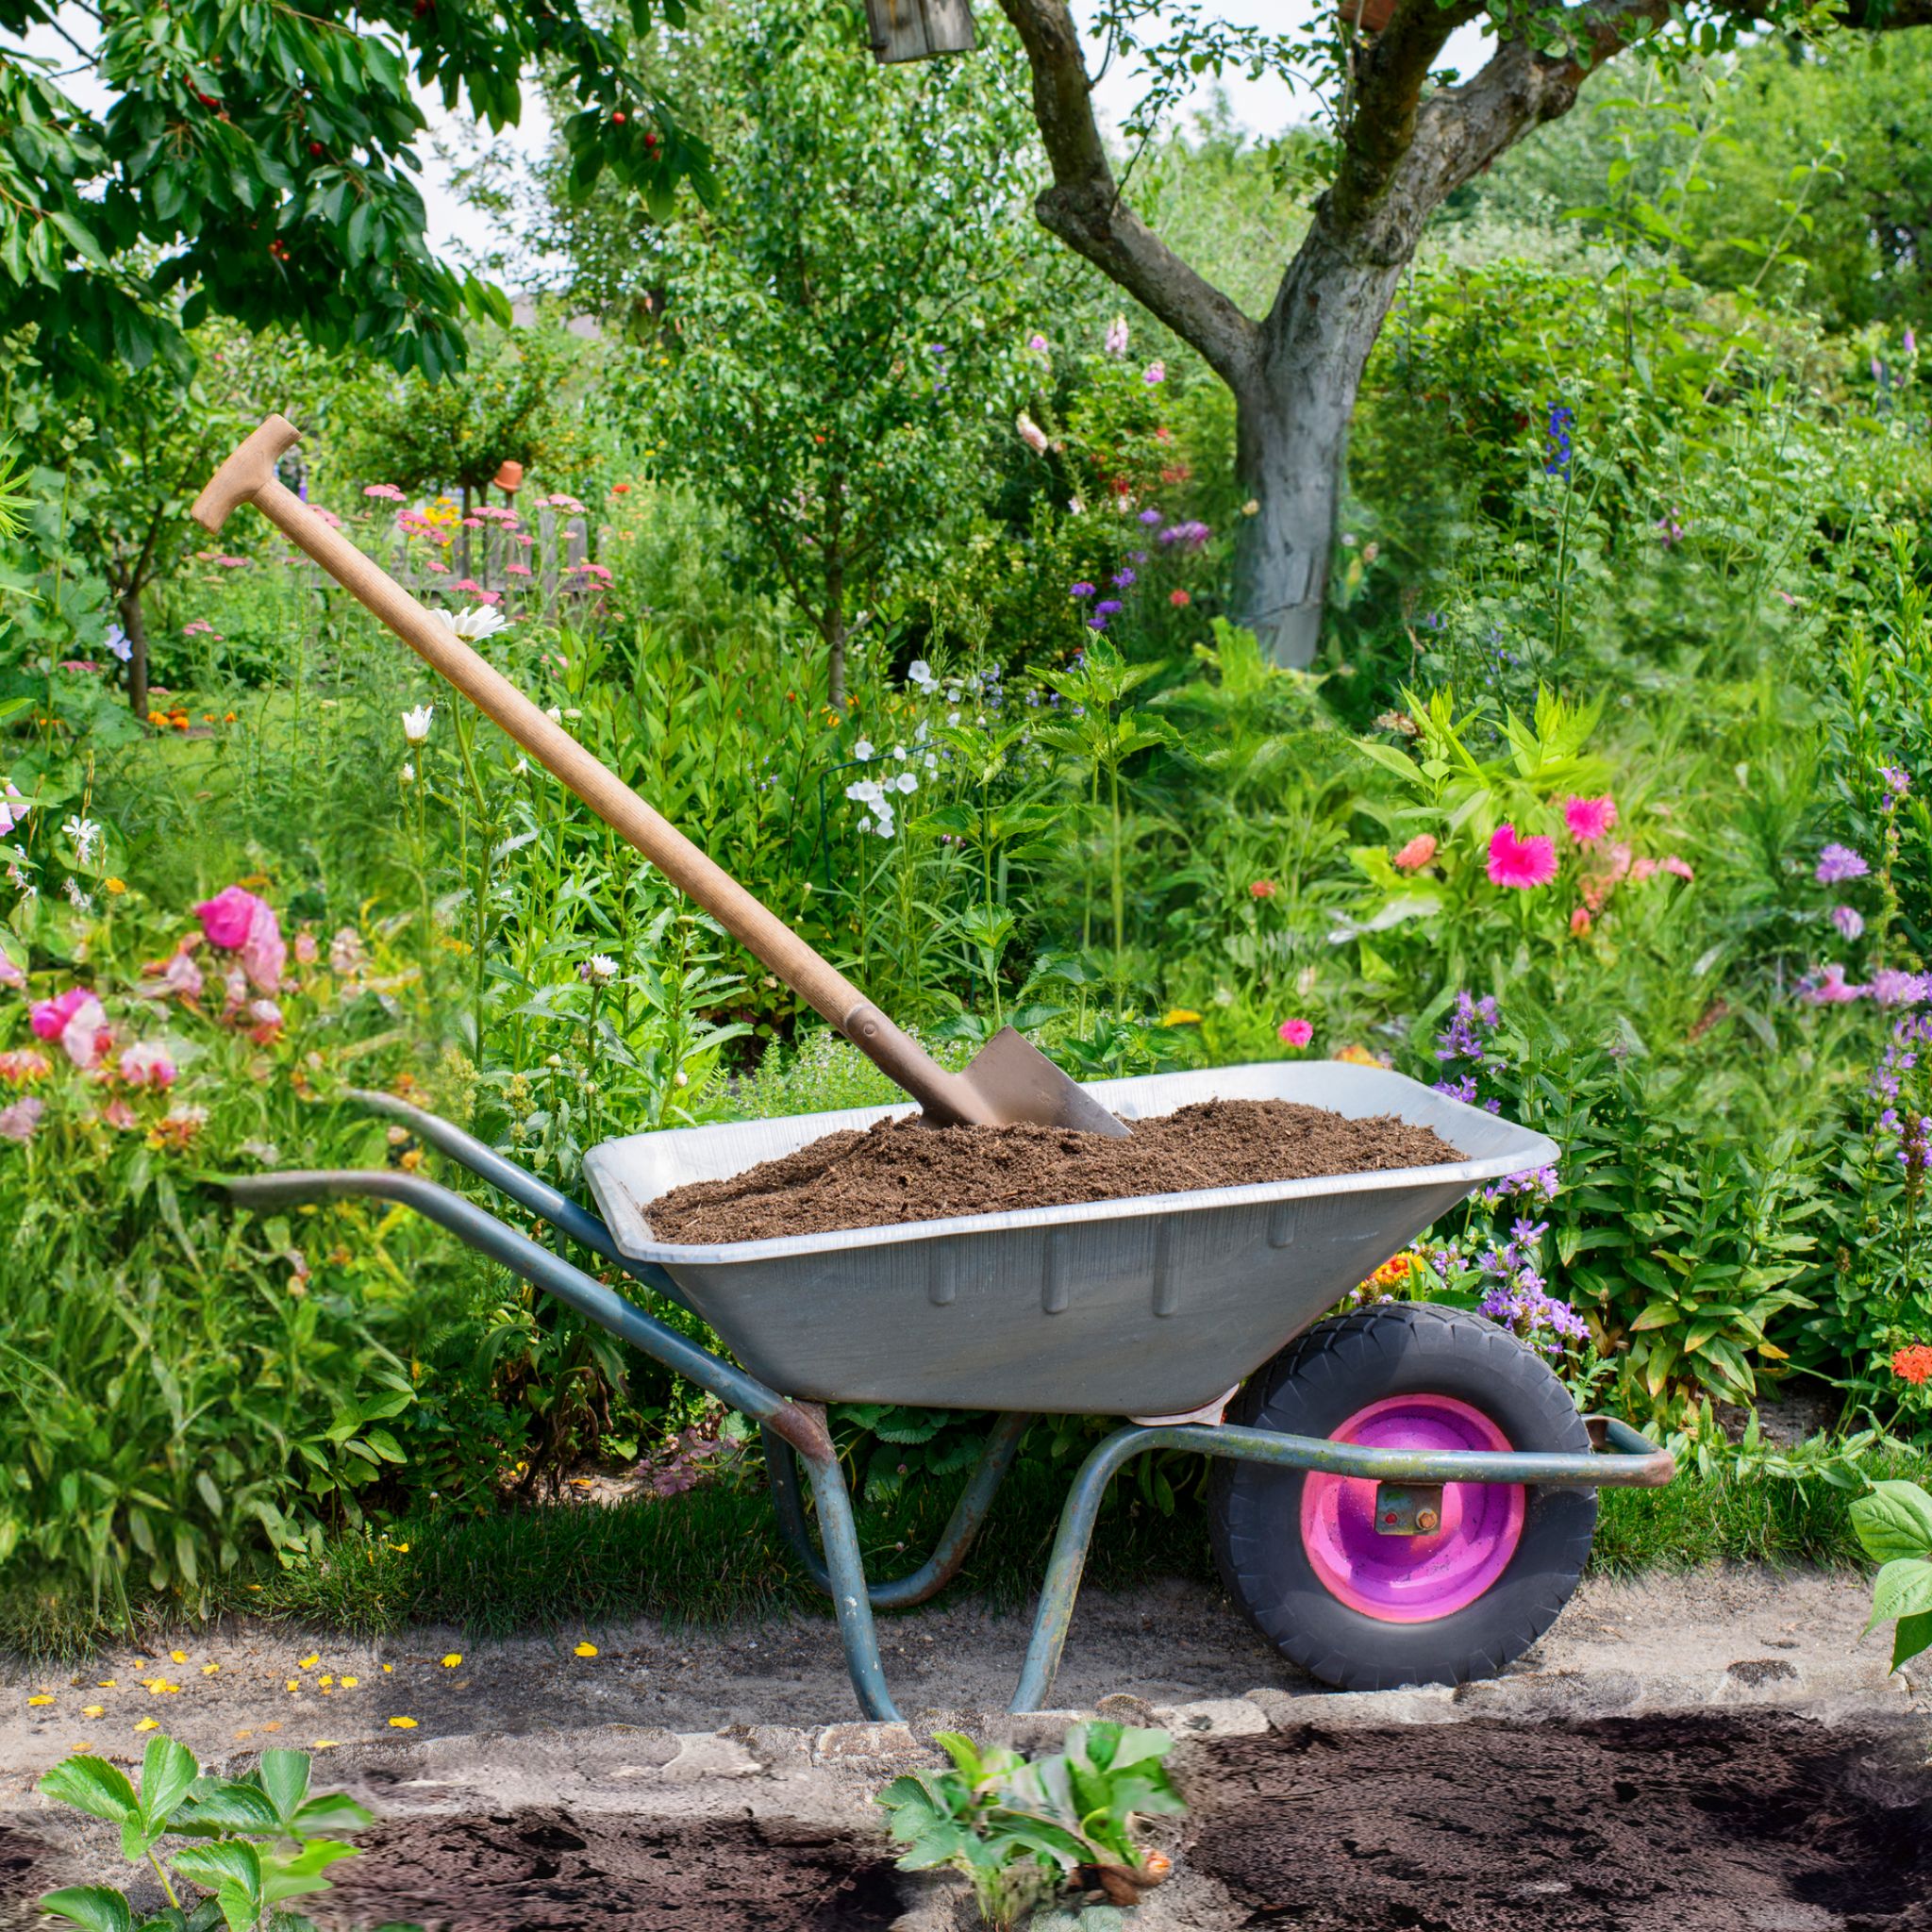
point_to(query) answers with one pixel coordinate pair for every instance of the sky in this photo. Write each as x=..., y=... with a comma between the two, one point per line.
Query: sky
x=1263, y=106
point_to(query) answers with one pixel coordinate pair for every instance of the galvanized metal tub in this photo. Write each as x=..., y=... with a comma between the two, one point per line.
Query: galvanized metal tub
x=1153, y=1306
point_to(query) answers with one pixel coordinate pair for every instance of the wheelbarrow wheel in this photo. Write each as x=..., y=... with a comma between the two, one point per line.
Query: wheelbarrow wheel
x=1300, y=1551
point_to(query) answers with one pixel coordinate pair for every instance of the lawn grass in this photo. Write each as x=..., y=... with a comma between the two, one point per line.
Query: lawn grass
x=714, y=1556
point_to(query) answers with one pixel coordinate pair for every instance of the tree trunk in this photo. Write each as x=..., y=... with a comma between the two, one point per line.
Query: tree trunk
x=1292, y=453
x=132, y=622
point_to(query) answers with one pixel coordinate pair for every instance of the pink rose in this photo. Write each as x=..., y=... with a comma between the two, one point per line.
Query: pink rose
x=86, y=1037
x=145, y=1064
x=1296, y=1032
x=181, y=976
x=237, y=921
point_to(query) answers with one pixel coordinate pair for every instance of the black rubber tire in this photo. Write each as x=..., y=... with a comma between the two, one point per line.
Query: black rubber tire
x=1313, y=1386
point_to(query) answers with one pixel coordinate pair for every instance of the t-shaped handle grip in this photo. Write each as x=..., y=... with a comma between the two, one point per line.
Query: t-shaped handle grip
x=247, y=474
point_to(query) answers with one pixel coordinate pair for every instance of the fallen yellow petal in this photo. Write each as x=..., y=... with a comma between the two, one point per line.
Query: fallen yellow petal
x=94, y=1710
x=350, y=1683
x=388, y=1667
x=325, y=1680
x=293, y=1684
x=240, y=1735
x=309, y=1663
x=107, y=1684
x=323, y=1744
x=209, y=1670
x=402, y=1723
x=453, y=1659
x=40, y=1697
x=274, y=1724
x=587, y=1650
x=148, y=1723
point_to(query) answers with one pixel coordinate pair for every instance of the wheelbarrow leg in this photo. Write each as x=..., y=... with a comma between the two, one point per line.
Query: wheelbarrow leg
x=849, y=1594
x=968, y=1515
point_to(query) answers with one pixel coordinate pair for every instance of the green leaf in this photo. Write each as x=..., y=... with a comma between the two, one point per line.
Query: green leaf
x=290, y=1874
x=1902, y=1589
x=1913, y=1635
x=167, y=1770
x=284, y=1776
x=93, y=1906
x=93, y=1785
x=1895, y=1520
x=233, y=1872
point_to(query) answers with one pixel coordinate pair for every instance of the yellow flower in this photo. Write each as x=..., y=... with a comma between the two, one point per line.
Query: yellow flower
x=309, y=1663
x=453, y=1659
x=41, y=1697
x=113, y=886
x=148, y=1723
x=402, y=1723
x=1359, y=1057
x=388, y=1667
x=587, y=1650
x=401, y=1549
x=94, y=1710
x=1182, y=1016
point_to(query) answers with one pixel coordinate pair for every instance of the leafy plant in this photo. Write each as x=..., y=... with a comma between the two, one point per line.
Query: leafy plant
x=250, y=1843
x=1023, y=1829
x=1895, y=1523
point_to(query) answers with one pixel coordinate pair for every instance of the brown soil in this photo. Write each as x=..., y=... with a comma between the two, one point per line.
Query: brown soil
x=902, y=1171
x=1677, y=1823
x=546, y=1871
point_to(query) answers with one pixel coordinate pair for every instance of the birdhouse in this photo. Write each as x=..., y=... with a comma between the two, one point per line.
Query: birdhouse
x=917, y=29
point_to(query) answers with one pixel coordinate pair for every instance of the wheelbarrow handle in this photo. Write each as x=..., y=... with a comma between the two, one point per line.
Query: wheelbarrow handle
x=249, y=476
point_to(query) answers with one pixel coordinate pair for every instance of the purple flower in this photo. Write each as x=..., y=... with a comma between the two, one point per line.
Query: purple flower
x=1081, y=590
x=1108, y=607
x=1037, y=343
x=1892, y=987
x=1838, y=863
x=21, y=1120
x=1911, y=344
x=1848, y=920
x=1829, y=989
x=1150, y=517
x=1123, y=578
x=1562, y=417
x=1463, y=1038
x=1155, y=373
x=1096, y=623
x=1188, y=536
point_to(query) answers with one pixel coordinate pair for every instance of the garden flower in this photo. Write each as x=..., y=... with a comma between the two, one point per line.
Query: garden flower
x=119, y=644
x=85, y=834
x=1892, y=987
x=50, y=1017
x=1837, y=863
x=1179, y=599
x=1264, y=889
x=235, y=921
x=265, y=1021
x=600, y=969
x=1359, y=1057
x=1080, y=590
x=21, y=1120
x=1521, y=864
x=1031, y=434
x=119, y=1115
x=345, y=951
x=1579, y=920
x=85, y=1036
x=1849, y=921
x=1116, y=336
x=919, y=674
x=1295, y=1032
x=1155, y=373
x=11, y=975
x=1181, y=1016
x=1913, y=1364
x=863, y=749
x=1641, y=869
x=1589, y=819
x=24, y=1064
x=304, y=948
x=181, y=976
x=1678, y=868
x=178, y=1126
x=146, y=1064
x=1416, y=854
x=416, y=723
x=1562, y=417
x=1830, y=989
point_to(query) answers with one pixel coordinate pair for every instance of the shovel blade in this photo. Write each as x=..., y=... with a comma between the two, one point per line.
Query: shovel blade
x=1017, y=1084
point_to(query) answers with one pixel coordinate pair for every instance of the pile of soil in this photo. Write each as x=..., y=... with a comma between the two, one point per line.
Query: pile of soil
x=547, y=1871
x=902, y=1170
x=1701, y=1822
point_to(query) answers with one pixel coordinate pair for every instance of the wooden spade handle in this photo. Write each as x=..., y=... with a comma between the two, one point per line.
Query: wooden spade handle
x=249, y=476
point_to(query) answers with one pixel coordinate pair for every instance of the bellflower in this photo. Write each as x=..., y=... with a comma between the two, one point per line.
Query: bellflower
x=1838, y=863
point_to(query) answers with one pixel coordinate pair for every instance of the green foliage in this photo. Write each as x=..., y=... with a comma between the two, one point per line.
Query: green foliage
x=252, y=1842
x=1021, y=1829
x=1894, y=1524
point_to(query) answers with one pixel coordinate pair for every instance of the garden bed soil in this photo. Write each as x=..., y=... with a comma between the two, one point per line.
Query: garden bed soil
x=1679, y=1823
x=903, y=1171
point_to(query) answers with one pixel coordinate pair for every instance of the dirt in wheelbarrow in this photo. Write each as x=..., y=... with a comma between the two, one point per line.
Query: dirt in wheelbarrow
x=902, y=1171
x=550, y=1872
x=1758, y=1821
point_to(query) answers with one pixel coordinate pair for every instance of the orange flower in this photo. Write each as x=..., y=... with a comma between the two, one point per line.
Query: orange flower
x=1264, y=889
x=1914, y=1364
x=1396, y=1268
x=1359, y=1057
x=1416, y=854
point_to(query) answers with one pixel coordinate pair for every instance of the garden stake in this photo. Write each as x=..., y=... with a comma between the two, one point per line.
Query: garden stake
x=1008, y=1082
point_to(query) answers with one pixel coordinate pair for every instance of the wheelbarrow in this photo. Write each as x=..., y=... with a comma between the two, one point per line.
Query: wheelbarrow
x=1405, y=1494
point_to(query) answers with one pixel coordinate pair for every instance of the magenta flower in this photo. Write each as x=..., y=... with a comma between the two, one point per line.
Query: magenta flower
x=1155, y=373
x=147, y=1064
x=14, y=807
x=21, y=1120
x=1849, y=921
x=1830, y=989
x=1037, y=342
x=49, y=1019
x=1838, y=863
x=1295, y=1032
x=1521, y=864
x=235, y=921
x=1589, y=819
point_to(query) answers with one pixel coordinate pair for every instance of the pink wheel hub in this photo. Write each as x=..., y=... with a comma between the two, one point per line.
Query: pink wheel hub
x=1411, y=1579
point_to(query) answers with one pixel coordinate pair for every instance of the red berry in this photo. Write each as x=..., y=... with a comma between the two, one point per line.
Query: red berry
x=618, y=119
x=315, y=148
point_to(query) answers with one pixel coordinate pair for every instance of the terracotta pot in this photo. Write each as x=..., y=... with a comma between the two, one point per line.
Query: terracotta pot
x=510, y=479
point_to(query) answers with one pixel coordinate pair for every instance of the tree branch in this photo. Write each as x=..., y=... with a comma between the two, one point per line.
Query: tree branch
x=1085, y=209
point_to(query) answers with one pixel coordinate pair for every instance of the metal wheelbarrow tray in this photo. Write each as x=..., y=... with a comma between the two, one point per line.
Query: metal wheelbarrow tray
x=1149, y=1308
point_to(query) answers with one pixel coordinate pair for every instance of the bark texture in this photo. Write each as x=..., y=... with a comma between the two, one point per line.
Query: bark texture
x=1295, y=374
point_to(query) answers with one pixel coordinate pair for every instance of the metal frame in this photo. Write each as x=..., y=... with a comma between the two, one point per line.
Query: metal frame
x=792, y=1429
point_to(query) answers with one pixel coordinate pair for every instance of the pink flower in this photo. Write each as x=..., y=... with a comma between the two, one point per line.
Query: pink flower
x=237, y=921
x=1155, y=373
x=383, y=489
x=181, y=976
x=267, y=1018
x=1031, y=434
x=117, y=1113
x=11, y=975
x=1678, y=868
x=1296, y=1032
x=1830, y=989
x=1264, y=889
x=24, y=1064
x=1579, y=920
x=145, y=1064
x=517, y=569
x=21, y=1120
x=1589, y=819
x=1521, y=863
x=1640, y=870
x=346, y=954
x=50, y=1017
x=304, y=948
x=84, y=1038
x=1416, y=854
x=436, y=563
